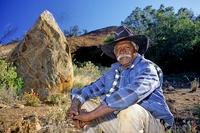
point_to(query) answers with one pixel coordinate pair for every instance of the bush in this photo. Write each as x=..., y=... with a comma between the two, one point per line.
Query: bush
x=174, y=36
x=8, y=96
x=9, y=78
x=57, y=99
x=85, y=74
x=31, y=99
x=109, y=38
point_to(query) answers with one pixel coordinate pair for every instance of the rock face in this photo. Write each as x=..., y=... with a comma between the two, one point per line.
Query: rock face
x=6, y=50
x=43, y=58
x=93, y=38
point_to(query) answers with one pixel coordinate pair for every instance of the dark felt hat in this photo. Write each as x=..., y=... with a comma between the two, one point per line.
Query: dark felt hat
x=124, y=33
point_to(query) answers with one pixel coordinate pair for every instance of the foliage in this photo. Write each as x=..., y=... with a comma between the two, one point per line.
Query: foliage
x=109, y=38
x=31, y=99
x=85, y=31
x=174, y=36
x=73, y=31
x=85, y=73
x=9, y=78
x=57, y=99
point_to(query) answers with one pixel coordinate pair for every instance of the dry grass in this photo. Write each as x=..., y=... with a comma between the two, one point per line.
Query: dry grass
x=8, y=96
x=188, y=127
x=57, y=99
x=85, y=74
x=31, y=99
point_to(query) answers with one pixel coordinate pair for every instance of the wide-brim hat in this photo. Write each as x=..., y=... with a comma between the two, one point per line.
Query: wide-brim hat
x=124, y=33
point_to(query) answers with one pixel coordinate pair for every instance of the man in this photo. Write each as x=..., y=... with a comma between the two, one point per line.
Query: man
x=131, y=93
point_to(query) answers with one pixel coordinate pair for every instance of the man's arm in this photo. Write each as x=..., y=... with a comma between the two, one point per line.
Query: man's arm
x=101, y=110
x=94, y=89
x=80, y=95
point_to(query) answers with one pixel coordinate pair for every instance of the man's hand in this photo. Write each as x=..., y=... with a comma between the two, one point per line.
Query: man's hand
x=78, y=123
x=84, y=117
x=74, y=108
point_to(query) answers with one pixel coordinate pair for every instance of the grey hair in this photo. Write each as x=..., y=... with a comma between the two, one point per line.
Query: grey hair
x=134, y=45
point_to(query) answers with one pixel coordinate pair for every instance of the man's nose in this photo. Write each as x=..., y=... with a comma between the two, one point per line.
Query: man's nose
x=122, y=50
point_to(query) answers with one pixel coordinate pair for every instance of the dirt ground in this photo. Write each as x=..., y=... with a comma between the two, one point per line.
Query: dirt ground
x=182, y=102
x=46, y=118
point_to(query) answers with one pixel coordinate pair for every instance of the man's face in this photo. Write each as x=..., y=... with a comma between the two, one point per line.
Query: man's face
x=125, y=52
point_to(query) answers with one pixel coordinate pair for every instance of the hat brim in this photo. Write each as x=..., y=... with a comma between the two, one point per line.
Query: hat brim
x=141, y=40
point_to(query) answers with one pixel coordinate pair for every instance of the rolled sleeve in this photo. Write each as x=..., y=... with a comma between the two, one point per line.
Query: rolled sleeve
x=94, y=89
x=143, y=84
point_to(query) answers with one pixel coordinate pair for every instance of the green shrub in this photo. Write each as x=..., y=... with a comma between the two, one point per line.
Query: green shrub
x=31, y=99
x=9, y=78
x=109, y=38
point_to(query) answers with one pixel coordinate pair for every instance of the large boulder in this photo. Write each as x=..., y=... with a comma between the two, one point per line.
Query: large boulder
x=43, y=58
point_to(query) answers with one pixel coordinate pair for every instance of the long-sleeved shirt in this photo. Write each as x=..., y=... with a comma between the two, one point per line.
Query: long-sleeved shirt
x=139, y=83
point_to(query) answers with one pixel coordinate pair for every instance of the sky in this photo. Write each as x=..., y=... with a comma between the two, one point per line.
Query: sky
x=87, y=14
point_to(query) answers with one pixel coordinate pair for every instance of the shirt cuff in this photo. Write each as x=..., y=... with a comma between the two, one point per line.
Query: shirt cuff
x=81, y=99
x=75, y=94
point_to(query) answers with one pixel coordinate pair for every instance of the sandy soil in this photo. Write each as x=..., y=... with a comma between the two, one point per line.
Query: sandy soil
x=181, y=102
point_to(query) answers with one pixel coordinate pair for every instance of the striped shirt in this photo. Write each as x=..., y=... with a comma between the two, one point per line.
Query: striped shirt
x=140, y=83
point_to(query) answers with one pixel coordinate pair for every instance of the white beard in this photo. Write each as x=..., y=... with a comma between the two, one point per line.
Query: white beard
x=123, y=56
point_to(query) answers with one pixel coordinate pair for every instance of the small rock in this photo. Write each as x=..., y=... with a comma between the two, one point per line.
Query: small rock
x=33, y=121
x=170, y=88
x=187, y=99
x=17, y=105
x=171, y=100
x=3, y=106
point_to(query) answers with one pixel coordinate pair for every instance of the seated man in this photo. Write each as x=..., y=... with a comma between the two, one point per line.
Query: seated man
x=132, y=99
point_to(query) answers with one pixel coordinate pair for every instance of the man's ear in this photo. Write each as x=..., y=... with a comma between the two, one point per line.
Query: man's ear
x=135, y=49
